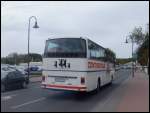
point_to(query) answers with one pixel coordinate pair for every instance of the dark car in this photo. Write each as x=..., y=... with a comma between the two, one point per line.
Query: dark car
x=31, y=69
x=11, y=78
x=34, y=68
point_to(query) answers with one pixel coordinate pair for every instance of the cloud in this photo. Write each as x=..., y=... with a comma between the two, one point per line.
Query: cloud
x=107, y=23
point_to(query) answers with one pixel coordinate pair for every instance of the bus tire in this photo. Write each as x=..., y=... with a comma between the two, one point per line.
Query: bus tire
x=111, y=80
x=98, y=85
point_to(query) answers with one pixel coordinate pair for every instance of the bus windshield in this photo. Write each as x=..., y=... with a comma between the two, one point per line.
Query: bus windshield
x=65, y=47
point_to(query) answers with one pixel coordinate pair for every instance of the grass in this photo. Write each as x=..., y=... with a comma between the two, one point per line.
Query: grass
x=35, y=74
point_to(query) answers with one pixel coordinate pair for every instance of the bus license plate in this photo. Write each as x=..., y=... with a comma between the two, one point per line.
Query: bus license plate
x=59, y=79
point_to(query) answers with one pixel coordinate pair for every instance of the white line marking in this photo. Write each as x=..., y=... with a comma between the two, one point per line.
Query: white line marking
x=7, y=97
x=27, y=103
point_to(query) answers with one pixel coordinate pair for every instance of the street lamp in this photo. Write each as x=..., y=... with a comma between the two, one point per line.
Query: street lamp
x=127, y=41
x=35, y=26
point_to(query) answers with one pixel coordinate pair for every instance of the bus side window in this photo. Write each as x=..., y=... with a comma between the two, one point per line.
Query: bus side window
x=91, y=49
x=95, y=51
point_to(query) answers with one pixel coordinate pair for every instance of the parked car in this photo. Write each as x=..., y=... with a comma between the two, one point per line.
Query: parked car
x=34, y=68
x=31, y=69
x=22, y=69
x=129, y=67
x=11, y=78
x=40, y=68
x=19, y=68
x=117, y=67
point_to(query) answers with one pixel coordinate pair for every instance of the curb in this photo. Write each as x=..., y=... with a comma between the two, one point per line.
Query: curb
x=34, y=81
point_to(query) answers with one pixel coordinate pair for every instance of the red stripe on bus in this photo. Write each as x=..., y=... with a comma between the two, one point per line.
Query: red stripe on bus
x=96, y=65
x=62, y=86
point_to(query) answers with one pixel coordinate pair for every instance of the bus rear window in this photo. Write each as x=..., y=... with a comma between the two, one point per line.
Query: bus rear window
x=65, y=47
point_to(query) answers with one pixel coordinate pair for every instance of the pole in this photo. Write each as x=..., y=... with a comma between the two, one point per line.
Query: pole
x=15, y=60
x=28, y=49
x=148, y=67
x=132, y=60
x=29, y=43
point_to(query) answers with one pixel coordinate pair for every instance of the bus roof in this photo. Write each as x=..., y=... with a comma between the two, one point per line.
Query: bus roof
x=65, y=37
x=75, y=37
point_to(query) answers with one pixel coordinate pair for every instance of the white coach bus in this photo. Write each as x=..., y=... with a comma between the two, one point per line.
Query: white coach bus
x=76, y=64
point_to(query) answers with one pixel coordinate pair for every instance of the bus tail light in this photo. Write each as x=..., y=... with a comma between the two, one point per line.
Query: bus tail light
x=82, y=80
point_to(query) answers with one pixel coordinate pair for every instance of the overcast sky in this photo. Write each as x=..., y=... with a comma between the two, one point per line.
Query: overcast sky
x=107, y=23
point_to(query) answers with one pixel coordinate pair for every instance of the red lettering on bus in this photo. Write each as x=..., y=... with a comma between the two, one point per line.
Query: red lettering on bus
x=96, y=65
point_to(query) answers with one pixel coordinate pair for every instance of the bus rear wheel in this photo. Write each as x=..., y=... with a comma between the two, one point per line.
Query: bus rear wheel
x=98, y=85
x=111, y=80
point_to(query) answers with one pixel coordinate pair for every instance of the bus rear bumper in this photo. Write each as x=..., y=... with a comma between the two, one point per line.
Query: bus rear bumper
x=64, y=87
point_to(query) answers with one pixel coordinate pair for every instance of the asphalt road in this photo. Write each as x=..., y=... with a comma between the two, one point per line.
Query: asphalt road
x=35, y=99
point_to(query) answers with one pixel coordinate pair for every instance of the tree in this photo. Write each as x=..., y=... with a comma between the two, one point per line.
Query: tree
x=110, y=55
x=14, y=58
x=143, y=51
x=142, y=40
x=137, y=35
x=123, y=60
x=35, y=57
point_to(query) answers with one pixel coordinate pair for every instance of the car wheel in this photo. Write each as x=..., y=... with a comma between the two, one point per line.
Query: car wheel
x=24, y=84
x=3, y=88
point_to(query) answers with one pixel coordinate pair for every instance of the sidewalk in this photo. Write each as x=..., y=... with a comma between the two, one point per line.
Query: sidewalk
x=136, y=96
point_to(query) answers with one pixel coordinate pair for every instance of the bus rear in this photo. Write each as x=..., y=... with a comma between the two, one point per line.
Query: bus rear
x=65, y=64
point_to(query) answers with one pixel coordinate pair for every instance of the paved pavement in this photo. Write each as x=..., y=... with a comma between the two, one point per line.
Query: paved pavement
x=136, y=97
x=35, y=99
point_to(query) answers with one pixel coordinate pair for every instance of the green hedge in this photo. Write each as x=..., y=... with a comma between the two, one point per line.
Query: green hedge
x=35, y=74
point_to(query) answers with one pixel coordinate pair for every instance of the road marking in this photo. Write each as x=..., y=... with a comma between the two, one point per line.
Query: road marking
x=8, y=97
x=27, y=103
x=14, y=92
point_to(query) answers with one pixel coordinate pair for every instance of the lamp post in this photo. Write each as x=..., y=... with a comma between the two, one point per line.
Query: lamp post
x=127, y=41
x=35, y=26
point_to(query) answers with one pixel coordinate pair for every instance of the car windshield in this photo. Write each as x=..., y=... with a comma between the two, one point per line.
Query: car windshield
x=65, y=47
x=7, y=68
